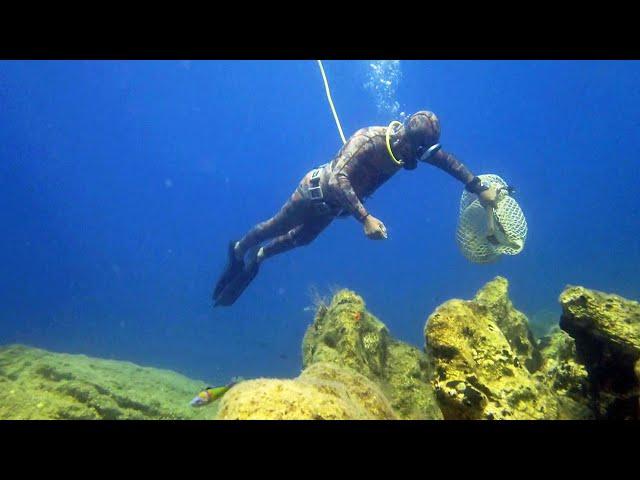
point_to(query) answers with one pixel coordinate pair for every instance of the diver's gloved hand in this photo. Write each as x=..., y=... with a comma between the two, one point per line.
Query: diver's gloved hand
x=374, y=228
x=487, y=198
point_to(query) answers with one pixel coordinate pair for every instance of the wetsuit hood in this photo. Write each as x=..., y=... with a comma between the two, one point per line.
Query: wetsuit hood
x=423, y=131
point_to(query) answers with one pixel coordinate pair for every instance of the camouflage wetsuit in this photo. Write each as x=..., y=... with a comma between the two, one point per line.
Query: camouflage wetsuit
x=361, y=166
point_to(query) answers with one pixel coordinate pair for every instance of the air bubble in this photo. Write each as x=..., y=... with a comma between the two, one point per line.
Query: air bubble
x=383, y=78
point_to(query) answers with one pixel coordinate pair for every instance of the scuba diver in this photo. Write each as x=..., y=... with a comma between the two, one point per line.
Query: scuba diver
x=369, y=158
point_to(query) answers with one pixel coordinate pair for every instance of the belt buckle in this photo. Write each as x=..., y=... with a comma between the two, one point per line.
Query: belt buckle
x=316, y=192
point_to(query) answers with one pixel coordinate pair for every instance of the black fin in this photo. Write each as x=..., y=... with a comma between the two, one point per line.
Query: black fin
x=234, y=288
x=233, y=268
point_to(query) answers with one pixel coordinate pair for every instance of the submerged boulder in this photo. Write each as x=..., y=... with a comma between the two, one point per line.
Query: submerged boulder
x=37, y=384
x=486, y=360
x=346, y=334
x=637, y=372
x=565, y=374
x=512, y=323
x=606, y=329
x=323, y=391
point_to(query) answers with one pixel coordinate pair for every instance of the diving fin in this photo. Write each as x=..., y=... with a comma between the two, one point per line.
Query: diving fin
x=234, y=288
x=233, y=268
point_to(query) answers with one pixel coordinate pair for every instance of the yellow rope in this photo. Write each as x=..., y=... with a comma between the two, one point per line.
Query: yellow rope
x=333, y=109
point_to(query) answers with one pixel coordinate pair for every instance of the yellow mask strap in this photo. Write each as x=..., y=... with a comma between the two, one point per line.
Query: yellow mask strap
x=391, y=125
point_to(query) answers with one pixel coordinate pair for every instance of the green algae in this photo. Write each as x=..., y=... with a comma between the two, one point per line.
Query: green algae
x=609, y=318
x=606, y=329
x=513, y=323
x=324, y=391
x=37, y=384
x=346, y=334
x=481, y=361
x=565, y=374
x=488, y=365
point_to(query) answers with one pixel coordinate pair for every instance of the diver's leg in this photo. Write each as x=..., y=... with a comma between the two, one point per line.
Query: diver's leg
x=297, y=237
x=290, y=215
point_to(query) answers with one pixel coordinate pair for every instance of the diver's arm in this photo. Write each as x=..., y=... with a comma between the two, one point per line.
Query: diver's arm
x=358, y=147
x=373, y=228
x=450, y=164
x=349, y=199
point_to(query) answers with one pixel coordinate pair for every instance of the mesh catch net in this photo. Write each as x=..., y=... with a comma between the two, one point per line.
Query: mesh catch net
x=472, y=233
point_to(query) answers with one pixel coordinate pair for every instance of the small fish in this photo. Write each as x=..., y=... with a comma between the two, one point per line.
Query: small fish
x=211, y=394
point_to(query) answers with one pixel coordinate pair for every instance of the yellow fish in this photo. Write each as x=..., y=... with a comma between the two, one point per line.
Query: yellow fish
x=211, y=394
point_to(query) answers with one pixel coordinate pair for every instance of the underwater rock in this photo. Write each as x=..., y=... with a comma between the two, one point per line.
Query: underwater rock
x=606, y=329
x=350, y=385
x=637, y=371
x=485, y=358
x=37, y=384
x=513, y=324
x=346, y=334
x=323, y=391
x=408, y=380
x=565, y=374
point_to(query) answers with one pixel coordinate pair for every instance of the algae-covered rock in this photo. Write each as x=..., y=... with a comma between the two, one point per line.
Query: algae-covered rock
x=36, y=384
x=513, y=324
x=477, y=374
x=612, y=319
x=606, y=329
x=346, y=334
x=351, y=386
x=565, y=374
x=637, y=372
x=485, y=358
x=408, y=380
x=324, y=391
x=283, y=399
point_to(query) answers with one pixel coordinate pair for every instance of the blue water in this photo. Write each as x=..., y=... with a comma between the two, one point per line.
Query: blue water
x=122, y=182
